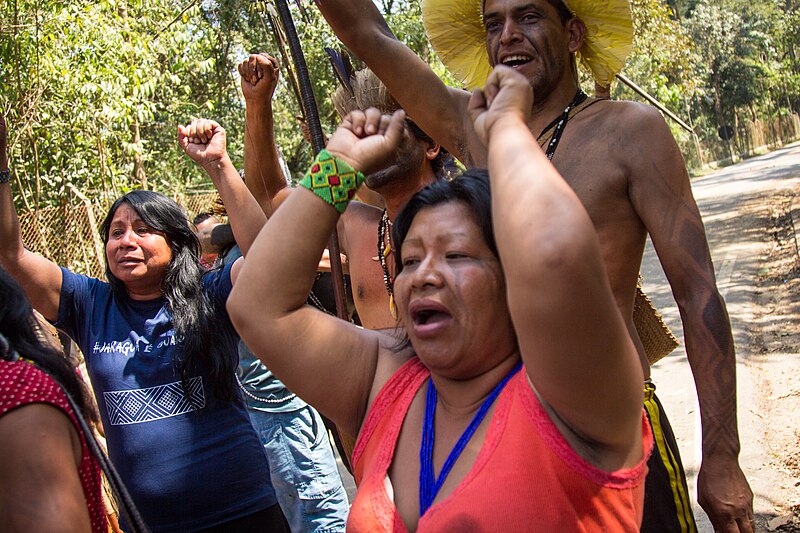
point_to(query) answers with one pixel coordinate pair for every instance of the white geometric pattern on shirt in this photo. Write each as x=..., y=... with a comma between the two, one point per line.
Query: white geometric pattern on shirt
x=154, y=403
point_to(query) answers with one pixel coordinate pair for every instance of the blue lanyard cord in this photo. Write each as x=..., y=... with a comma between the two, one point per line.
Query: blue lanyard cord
x=429, y=486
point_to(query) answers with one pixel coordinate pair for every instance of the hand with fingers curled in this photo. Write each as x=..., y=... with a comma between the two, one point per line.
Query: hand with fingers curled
x=506, y=95
x=259, y=74
x=367, y=140
x=725, y=495
x=204, y=142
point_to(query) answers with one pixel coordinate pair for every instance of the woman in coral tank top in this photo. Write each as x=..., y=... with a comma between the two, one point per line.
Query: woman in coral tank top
x=509, y=397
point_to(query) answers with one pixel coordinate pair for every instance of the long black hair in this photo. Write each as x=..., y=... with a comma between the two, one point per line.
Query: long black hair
x=20, y=337
x=206, y=341
x=471, y=189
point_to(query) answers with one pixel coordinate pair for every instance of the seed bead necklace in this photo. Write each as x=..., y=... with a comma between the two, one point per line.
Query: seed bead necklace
x=429, y=484
x=384, y=251
x=560, y=122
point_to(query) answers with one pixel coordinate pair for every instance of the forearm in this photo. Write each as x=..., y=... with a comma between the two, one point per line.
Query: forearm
x=711, y=354
x=11, y=248
x=262, y=169
x=556, y=284
x=245, y=215
x=531, y=201
x=267, y=307
x=279, y=283
x=358, y=24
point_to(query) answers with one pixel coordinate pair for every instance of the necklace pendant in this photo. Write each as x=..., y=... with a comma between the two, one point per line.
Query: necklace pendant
x=376, y=258
x=387, y=250
x=392, y=306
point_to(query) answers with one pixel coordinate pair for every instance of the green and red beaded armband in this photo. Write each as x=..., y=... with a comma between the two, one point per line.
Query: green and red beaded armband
x=333, y=180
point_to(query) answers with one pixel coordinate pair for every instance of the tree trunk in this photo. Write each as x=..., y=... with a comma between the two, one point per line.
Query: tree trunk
x=720, y=116
x=138, y=167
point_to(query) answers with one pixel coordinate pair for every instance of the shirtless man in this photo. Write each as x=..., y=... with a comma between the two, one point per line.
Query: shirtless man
x=623, y=163
x=417, y=162
x=362, y=227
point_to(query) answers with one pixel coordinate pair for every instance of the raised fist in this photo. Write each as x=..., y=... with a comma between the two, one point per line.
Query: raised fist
x=259, y=75
x=203, y=140
x=368, y=140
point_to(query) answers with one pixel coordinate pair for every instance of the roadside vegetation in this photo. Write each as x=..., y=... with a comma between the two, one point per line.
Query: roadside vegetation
x=93, y=90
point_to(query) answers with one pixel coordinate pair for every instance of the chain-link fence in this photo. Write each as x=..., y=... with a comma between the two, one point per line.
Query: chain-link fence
x=69, y=234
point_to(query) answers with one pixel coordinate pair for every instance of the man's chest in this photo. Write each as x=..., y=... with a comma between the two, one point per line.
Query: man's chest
x=594, y=170
x=371, y=273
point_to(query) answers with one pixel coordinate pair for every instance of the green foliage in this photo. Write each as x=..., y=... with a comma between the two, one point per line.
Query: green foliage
x=663, y=59
x=93, y=90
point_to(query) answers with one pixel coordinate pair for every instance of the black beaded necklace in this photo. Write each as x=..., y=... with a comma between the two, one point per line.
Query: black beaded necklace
x=559, y=123
x=384, y=250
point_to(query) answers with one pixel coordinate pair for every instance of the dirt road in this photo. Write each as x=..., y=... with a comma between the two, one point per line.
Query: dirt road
x=747, y=212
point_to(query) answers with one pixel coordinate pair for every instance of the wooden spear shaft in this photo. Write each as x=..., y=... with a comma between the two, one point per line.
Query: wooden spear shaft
x=317, y=141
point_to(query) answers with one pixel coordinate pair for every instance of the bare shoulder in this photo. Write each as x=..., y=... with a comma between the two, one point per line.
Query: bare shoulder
x=631, y=119
x=638, y=131
x=361, y=212
x=27, y=426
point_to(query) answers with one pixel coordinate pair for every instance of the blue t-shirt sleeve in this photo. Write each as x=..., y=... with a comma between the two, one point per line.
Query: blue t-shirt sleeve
x=72, y=307
x=218, y=285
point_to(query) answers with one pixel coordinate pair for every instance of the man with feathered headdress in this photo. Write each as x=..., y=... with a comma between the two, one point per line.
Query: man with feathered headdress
x=623, y=163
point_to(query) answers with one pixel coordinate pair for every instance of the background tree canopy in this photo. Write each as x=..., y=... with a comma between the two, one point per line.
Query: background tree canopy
x=94, y=90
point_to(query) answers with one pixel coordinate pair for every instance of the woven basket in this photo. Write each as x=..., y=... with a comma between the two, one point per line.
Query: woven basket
x=656, y=337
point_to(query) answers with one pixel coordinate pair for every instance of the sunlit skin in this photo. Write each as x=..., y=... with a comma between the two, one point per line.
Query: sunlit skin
x=137, y=254
x=622, y=161
x=409, y=158
x=451, y=298
x=408, y=171
x=451, y=294
x=452, y=301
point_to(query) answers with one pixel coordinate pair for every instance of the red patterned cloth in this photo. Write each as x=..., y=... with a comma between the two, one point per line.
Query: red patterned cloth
x=21, y=383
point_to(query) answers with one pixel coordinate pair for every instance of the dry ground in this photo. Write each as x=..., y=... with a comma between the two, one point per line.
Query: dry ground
x=777, y=339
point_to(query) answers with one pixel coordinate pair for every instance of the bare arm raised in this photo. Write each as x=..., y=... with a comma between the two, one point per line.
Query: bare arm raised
x=204, y=142
x=39, y=277
x=262, y=169
x=436, y=108
x=572, y=338
x=303, y=346
x=662, y=196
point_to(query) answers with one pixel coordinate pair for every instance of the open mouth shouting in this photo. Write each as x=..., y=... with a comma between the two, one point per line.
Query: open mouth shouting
x=515, y=61
x=428, y=318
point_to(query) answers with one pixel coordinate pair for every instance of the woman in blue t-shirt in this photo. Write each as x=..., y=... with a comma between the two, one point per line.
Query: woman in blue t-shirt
x=160, y=349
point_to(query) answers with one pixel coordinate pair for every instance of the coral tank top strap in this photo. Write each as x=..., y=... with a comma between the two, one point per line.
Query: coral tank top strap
x=400, y=388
